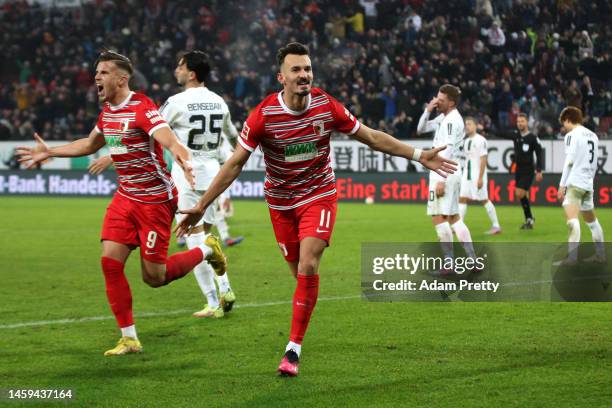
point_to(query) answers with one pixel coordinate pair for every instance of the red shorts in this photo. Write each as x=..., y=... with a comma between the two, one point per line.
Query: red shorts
x=145, y=225
x=314, y=219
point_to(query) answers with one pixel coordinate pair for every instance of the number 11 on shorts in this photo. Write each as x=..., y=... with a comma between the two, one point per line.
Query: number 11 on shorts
x=324, y=222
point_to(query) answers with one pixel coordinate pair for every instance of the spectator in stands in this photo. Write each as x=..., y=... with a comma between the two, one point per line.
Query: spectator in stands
x=48, y=53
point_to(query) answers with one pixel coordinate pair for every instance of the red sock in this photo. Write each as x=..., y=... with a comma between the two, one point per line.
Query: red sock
x=118, y=291
x=304, y=301
x=179, y=265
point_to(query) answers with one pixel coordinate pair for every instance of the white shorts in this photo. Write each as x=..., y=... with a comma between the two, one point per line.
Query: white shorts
x=204, y=172
x=581, y=198
x=189, y=198
x=469, y=189
x=448, y=204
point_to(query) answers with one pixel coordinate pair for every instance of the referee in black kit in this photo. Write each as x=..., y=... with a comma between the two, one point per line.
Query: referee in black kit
x=525, y=144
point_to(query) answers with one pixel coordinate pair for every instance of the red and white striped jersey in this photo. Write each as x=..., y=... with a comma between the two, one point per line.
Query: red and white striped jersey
x=296, y=146
x=128, y=130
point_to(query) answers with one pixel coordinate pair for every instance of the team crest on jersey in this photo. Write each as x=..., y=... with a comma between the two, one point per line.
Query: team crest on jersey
x=125, y=125
x=525, y=147
x=319, y=127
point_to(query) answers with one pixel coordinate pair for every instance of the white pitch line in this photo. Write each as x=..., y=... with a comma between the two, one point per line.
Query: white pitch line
x=155, y=314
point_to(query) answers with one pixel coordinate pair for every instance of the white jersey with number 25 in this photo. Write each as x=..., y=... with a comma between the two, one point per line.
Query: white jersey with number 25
x=198, y=116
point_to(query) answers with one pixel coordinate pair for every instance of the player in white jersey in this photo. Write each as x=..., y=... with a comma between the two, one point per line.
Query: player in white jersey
x=443, y=200
x=576, y=185
x=199, y=116
x=474, y=175
x=224, y=205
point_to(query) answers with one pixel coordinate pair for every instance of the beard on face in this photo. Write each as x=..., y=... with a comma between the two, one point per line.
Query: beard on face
x=303, y=92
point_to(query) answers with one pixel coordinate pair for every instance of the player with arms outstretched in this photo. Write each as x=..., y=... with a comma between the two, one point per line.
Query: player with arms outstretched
x=576, y=185
x=141, y=212
x=293, y=129
x=443, y=202
x=474, y=175
x=200, y=118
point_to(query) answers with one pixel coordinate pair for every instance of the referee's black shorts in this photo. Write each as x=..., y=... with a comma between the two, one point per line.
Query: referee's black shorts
x=524, y=180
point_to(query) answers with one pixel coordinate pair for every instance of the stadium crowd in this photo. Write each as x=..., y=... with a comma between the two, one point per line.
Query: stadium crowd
x=382, y=58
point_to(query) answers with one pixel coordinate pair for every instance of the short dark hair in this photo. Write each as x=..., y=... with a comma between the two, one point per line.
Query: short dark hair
x=198, y=62
x=571, y=113
x=452, y=92
x=291, y=48
x=523, y=115
x=121, y=61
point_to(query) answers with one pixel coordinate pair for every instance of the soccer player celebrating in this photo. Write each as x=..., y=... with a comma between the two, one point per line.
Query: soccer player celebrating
x=201, y=120
x=141, y=212
x=525, y=144
x=443, y=202
x=293, y=129
x=474, y=175
x=576, y=185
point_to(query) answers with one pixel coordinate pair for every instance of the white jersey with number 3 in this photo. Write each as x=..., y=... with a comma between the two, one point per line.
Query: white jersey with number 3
x=198, y=116
x=581, y=147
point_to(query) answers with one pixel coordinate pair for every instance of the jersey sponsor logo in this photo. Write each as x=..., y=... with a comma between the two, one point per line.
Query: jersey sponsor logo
x=319, y=127
x=245, y=131
x=525, y=147
x=115, y=144
x=300, y=152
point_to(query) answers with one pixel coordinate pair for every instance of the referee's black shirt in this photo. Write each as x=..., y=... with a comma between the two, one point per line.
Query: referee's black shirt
x=524, y=147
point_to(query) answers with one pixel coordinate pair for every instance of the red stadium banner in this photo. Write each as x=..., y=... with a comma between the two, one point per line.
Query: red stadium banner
x=355, y=187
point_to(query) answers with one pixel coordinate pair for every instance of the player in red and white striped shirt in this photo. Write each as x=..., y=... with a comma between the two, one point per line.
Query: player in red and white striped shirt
x=293, y=129
x=141, y=212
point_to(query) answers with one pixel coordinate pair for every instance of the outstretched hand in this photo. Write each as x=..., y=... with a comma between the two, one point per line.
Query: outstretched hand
x=31, y=156
x=193, y=216
x=99, y=165
x=433, y=161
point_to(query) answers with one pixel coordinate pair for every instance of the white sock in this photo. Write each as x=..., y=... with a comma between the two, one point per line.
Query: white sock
x=203, y=272
x=464, y=236
x=197, y=240
x=598, y=237
x=223, y=282
x=445, y=235
x=295, y=347
x=573, y=225
x=129, y=331
x=462, y=210
x=223, y=229
x=492, y=214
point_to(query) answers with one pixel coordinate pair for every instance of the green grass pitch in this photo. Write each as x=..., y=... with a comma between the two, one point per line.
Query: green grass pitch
x=355, y=353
